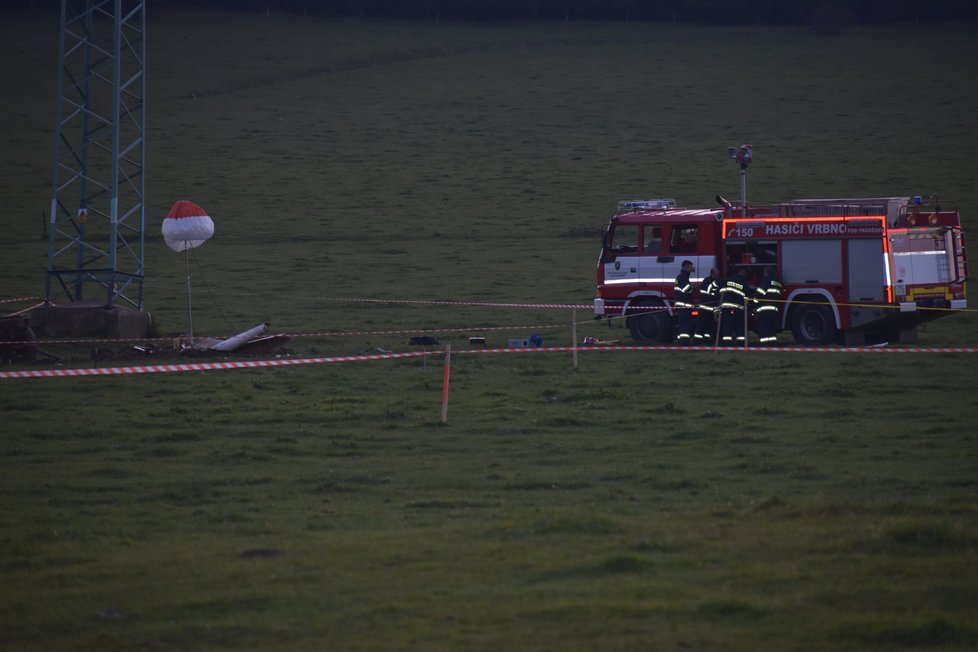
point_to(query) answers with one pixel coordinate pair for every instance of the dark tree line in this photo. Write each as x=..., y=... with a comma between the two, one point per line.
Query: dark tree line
x=827, y=13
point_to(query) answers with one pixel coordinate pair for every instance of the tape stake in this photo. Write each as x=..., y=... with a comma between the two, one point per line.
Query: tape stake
x=574, y=336
x=445, y=383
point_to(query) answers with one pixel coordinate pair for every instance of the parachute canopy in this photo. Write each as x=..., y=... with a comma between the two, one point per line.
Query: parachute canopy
x=186, y=226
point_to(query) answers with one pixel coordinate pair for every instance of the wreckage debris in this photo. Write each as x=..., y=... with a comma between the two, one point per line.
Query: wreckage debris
x=253, y=340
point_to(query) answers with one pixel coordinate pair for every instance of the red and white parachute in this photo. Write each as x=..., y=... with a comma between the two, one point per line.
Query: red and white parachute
x=186, y=226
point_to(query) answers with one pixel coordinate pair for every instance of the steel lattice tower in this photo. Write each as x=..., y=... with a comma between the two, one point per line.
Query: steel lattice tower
x=97, y=220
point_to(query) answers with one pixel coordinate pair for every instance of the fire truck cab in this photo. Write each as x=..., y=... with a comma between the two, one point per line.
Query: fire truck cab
x=853, y=270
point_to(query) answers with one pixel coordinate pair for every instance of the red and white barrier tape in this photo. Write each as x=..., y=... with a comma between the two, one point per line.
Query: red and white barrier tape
x=755, y=349
x=200, y=366
x=19, y=300
x=432, y=330
x=99, y=340
x=589, y=306
x=285, y=362
x=21, y=312
x=412, y=331
x=460, y=303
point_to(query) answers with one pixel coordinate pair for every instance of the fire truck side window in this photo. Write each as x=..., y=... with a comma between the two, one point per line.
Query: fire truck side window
x=683, y=239
x=625, y=239
x=812, y=261
x=653, y=235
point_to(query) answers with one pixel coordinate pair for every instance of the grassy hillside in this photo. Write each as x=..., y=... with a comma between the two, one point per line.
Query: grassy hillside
x=795, y=501
x=422, y=160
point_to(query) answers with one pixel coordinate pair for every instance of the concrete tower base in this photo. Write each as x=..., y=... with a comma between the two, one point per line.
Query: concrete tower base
x=90, y=319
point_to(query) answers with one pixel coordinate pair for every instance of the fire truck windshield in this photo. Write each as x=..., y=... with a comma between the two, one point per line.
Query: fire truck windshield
x=625, y=239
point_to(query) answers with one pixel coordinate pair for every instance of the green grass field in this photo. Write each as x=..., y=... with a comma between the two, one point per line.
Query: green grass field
x=645, y=500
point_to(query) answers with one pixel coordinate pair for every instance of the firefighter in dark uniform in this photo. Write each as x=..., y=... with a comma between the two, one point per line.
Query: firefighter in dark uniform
x=733, y=299
x=709, y=304
x=768, y=298
x=682, y=301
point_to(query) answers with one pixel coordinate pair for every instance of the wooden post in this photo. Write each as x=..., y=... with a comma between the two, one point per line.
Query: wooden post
x=746, y=307
x=574, y=336
x=717, y=324
x=444, y=391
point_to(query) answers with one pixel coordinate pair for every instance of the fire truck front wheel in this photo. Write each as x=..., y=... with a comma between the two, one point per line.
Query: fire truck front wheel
x=651, y=325
x=813, y=325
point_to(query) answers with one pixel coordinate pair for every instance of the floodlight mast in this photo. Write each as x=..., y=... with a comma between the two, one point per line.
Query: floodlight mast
x=97, y=220
x=743, y=155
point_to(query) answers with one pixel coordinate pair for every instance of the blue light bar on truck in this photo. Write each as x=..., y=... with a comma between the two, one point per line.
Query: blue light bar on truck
x=645, y=204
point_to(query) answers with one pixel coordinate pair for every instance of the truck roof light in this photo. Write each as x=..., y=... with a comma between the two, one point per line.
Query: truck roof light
x=645, y=204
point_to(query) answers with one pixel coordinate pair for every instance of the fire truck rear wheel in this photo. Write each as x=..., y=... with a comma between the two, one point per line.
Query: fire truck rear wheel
x=813, y=325
x=650, y=327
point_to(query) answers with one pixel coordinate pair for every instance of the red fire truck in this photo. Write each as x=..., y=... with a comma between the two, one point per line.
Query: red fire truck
x=854, y=271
